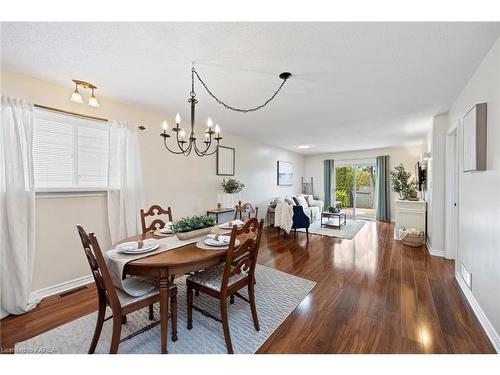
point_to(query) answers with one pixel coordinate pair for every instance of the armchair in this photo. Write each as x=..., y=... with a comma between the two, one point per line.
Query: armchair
x=299, y=221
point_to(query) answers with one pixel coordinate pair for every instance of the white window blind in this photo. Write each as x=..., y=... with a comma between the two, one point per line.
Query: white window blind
x=70, y=153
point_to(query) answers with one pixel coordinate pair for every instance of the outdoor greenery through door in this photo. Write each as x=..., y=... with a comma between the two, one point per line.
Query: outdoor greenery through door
x=355, y=189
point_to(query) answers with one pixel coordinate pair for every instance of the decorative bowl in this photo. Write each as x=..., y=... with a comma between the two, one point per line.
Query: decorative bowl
x=193, y=233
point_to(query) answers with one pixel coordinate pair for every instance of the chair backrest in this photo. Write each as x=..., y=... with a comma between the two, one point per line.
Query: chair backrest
x=155, y=210
x=103, y=282
x=244, y=257
x=245, y=211
x=300, y=219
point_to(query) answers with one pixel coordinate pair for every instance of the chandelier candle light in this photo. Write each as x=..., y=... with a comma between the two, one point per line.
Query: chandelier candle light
x=211, y=133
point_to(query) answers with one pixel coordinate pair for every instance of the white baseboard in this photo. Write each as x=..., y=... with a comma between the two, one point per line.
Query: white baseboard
x=435, y=252
x=62, y=287
x=481, y=316
x=55, y=289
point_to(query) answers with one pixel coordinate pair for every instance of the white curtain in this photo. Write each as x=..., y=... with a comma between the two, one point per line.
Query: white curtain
x=125, y=182
x=17, y=206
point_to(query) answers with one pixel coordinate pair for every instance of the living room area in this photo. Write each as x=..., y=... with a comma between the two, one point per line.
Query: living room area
x=280, y=186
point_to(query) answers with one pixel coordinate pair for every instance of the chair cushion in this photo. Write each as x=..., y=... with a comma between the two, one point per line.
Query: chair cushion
x=126, y=299
x=212, y=277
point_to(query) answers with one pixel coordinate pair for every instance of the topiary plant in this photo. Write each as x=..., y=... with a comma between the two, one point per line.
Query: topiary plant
x=401, y=182
x=188, y=224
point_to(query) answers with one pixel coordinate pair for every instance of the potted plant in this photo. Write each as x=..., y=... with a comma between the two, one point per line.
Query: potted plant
x=231, y=186
x=191, y=227
x=402, y=183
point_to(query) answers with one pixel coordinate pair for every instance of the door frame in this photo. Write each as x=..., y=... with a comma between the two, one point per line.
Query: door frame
x=452, y=191
x=354, y=163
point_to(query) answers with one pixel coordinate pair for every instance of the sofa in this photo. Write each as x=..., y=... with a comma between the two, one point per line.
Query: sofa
x=312, y=207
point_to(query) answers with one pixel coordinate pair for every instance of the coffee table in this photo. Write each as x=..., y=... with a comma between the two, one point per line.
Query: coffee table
x=340, y=215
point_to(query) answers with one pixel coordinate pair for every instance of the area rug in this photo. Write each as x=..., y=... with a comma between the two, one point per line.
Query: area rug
x=277, y=295
x=347, y=232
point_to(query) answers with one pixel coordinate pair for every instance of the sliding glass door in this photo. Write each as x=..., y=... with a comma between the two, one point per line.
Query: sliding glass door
x=355, y=189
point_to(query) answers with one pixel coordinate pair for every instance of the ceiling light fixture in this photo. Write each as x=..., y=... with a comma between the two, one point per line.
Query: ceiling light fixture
x=304, y=146
x=210, y=135
x=76, y=97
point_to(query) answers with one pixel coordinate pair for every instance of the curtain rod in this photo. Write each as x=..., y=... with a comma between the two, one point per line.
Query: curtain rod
x=141, y=127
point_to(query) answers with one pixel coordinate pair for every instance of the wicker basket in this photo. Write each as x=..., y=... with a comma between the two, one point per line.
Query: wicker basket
x=193, y=233
x=413, y=240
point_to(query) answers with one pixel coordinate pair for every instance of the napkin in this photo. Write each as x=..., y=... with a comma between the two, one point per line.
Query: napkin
x=220, y=238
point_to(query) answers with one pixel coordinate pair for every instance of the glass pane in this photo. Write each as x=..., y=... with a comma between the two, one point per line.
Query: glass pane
x=344, y=186
x=365, y=192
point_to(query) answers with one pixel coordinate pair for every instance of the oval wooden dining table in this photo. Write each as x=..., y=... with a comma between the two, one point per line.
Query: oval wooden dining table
x=166, y=265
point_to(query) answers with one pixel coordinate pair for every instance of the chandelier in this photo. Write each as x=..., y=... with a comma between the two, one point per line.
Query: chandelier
x=212, y=135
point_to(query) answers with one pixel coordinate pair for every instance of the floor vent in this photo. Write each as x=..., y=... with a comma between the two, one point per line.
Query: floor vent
x=72, y=291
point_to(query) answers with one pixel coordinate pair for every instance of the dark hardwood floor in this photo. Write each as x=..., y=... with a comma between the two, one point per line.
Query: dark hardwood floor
x=373, y=295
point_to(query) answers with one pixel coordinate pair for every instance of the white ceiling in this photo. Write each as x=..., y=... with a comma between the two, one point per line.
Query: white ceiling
x=355, y=85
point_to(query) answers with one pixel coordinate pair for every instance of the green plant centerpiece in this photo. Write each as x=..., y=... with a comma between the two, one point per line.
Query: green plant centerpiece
x=402, y=183
x=232, y=186
x=332, y=209
x=195, y=226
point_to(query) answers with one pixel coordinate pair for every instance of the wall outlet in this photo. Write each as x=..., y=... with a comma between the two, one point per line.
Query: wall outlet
x=466, y=275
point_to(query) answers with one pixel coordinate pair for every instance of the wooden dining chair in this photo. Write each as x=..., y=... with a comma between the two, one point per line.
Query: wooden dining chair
x=245, y=211
x=227, y=278
x=120, y=302
x=156, y=224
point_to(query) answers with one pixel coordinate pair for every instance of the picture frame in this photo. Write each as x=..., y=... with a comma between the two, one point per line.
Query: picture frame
x=284, y=173
x=474, y=138
x=225, y=161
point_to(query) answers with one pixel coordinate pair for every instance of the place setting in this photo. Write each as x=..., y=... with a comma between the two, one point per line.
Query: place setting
x=216, y=242
x=166, y=231
x=137, y=247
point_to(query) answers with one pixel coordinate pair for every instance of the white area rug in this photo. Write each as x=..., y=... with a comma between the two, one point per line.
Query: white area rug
x=347, y=231
x=277, y=295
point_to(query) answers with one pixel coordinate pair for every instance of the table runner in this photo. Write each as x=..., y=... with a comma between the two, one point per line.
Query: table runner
x=137, y=286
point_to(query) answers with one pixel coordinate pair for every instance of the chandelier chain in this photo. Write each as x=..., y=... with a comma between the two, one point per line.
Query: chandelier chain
x=243, y=110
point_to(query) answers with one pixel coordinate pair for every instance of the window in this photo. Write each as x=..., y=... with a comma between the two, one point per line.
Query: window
x=70, y=153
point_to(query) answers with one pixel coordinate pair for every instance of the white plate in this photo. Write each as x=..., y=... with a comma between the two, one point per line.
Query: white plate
x=133, y=246
x=140, y=251
x=214, y=243
x=229, y=226
x=158, y=233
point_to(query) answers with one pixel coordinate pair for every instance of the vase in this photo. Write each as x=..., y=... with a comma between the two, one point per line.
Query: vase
x=228, y=201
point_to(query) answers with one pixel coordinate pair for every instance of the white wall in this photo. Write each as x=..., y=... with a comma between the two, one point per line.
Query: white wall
x=435, y=187
x=408, y=155
x=479, y=200
x=188, y=184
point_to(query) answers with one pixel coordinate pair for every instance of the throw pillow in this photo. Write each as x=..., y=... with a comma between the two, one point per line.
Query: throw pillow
x=301, y=201
x=309, y=199
x=290, y=201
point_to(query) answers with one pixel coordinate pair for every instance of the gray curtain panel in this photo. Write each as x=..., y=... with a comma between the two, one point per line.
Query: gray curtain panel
x=329, y=182
x=383, y=189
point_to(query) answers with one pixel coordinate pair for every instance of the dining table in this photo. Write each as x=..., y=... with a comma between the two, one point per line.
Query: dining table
x=166, y=265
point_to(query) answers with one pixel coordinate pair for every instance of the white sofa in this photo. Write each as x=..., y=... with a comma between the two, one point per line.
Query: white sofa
x=313, y=211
